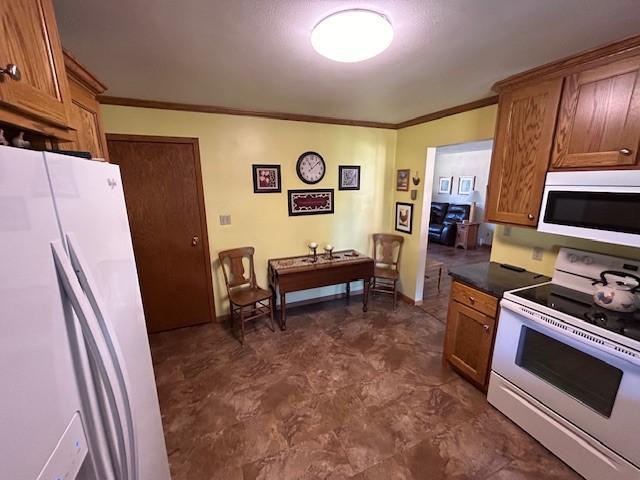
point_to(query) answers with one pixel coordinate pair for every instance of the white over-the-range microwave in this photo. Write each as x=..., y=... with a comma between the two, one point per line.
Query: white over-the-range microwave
x=596, y=205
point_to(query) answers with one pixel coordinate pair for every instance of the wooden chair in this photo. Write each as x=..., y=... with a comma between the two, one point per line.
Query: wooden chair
x=244, y=292
x=386, y=256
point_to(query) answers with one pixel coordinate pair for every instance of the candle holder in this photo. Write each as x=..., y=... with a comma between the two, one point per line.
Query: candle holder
x=329, y=250
x=313, y=247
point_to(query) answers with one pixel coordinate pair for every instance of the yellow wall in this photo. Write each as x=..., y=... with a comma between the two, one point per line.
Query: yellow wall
x=517, y=248
x=411, y=153
x=230, y=144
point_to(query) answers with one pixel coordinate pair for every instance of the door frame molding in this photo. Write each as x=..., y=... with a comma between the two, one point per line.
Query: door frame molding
x=195, y=144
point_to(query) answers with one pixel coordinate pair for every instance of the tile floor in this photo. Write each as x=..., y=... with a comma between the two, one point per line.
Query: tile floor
x=340, y=394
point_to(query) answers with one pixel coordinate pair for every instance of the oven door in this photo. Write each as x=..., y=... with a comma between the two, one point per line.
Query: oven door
x=603, y=213
x=597, y=391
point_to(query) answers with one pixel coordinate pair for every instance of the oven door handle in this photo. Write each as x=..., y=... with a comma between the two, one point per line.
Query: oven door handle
x=572, y=332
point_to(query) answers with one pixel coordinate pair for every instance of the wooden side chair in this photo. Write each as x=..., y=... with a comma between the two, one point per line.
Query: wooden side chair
x=386, y=256
x=244, y=292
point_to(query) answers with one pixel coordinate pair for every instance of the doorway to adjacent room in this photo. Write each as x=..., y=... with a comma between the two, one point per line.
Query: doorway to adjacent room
x=457, y=232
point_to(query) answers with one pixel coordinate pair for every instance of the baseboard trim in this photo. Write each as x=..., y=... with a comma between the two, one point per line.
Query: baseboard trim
x=309, y=301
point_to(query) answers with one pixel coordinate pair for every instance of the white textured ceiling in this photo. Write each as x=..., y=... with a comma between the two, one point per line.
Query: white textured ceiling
x=256, y=54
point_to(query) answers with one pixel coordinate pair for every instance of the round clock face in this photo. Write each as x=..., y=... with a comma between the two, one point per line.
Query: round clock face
x=310, y=167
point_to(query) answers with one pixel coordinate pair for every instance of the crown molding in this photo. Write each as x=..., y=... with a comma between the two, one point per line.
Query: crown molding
x=190, y=107
x=465, y=107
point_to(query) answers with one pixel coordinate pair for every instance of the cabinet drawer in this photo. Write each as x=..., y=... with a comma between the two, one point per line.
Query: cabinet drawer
x=475, y=299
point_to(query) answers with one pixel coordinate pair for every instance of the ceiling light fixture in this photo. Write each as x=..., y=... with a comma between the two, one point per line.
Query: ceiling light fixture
x=352, y=35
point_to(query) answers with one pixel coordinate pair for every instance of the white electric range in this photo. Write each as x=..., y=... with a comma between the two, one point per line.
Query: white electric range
x=568, y=371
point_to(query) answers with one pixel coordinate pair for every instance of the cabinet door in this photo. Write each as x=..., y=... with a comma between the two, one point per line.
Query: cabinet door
x=468, y=341
x=30, y=41
x=599, y=121
x=524, y=137
x=85, y=118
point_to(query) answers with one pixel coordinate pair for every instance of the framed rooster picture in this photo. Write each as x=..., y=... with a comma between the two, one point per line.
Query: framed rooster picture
x=404, y=217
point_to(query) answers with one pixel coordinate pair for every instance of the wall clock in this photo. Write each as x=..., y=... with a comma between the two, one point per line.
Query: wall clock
x=310, y=167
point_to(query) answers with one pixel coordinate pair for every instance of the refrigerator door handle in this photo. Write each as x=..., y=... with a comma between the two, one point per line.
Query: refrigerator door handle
x=97, y=348
x=115, y=352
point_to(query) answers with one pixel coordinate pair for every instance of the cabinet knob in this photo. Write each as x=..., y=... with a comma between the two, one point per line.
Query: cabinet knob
x=530, y=216
x=195, y=240
x=625, y=151
x=485, y=328
x=12, y=70
x=472, y=299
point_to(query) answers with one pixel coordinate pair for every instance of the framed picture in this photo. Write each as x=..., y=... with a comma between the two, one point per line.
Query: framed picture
x=266, y=178
x=310, y=202
x=444, y=185
x=402, y=180
x=349, y=177
x=465, y=185
x=404, y=217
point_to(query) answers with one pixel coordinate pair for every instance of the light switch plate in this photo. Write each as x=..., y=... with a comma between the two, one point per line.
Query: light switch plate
x=225, y=219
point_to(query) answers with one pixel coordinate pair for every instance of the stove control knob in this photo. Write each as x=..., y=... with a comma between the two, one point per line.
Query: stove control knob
x=573, y=258
x=587, y=260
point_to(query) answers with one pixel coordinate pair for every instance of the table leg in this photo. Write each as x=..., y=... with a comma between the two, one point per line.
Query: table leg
x=348, y=292
x=283, y=311
x=365, y=295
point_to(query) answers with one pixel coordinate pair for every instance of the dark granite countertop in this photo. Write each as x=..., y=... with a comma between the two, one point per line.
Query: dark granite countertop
x=492, y=278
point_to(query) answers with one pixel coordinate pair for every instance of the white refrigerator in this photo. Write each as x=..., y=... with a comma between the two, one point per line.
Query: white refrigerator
x=78, y=397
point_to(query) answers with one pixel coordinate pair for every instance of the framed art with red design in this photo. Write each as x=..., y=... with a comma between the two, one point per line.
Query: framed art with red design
x=266, y=179
x=310, y=202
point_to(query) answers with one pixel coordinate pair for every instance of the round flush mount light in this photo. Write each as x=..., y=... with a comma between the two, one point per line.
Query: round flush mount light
x=352, y=35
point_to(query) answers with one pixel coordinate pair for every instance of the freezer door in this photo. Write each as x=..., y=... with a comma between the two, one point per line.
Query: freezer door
x=90, y=205
x=40, y=395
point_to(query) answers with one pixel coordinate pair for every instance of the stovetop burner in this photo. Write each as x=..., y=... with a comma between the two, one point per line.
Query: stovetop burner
x=580, y=306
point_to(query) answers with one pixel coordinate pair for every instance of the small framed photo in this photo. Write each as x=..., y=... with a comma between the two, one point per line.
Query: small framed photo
x=402, y=180
x=404, y=217
x=266, y=178
x=349, y=177
x=444, y=185
x=465, y=185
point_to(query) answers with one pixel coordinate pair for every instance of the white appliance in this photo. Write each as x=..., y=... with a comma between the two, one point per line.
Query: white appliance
x=597, y=205
x=78, y=391
x=568, y=371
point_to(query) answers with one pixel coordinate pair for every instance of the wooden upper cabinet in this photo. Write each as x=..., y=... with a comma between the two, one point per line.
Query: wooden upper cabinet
x=89, y=135
x=599, y=120
x=521, y=152
x=29, y=37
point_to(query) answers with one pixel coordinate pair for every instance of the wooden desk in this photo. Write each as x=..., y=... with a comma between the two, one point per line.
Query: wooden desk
x=291, y=274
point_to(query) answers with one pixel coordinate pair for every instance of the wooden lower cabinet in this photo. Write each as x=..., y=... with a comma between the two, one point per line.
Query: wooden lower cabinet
x=469, y=341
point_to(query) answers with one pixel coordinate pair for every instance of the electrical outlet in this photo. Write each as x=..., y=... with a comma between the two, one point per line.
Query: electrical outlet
x=537, y=253
x=225, y=219
x=506, y=231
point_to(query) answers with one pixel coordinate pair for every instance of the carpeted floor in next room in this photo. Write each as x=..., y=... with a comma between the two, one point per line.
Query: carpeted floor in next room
x=340, y=394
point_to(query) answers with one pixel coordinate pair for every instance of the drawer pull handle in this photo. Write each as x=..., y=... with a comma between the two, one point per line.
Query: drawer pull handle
x=12, y=70
x=625, y=151
x=472, y=299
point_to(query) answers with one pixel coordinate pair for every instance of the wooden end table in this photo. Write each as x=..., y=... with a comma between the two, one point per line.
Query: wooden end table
x=467, y=235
